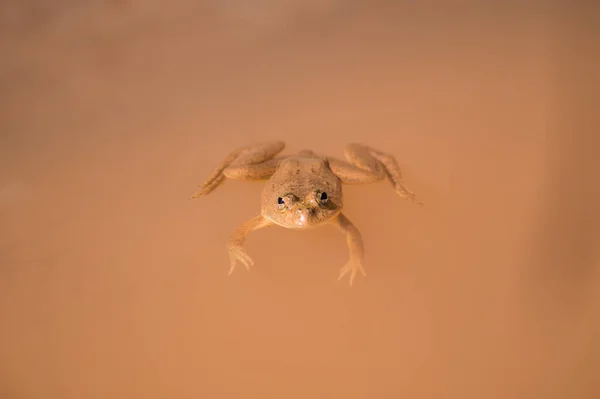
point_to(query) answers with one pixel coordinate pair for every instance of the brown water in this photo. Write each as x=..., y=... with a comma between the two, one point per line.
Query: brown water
x=114, y=285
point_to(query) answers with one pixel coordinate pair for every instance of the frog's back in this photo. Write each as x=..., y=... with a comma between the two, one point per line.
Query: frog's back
x=304, y=169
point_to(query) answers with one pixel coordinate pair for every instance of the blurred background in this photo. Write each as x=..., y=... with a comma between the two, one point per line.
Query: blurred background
x=113, y=284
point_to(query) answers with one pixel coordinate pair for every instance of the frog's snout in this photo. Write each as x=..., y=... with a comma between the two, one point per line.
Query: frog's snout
x=304, y=213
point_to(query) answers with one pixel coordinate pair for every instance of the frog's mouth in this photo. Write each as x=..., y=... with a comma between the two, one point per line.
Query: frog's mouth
x=302, y=217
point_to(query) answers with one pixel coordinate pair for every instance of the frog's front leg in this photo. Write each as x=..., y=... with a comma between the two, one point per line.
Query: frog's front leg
x=255, y=162
x=237, y=239
x=368, y=165
x=355, y=245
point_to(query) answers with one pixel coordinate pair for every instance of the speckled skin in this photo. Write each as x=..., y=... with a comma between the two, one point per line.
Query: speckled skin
x=300, y=181
x=303, y=191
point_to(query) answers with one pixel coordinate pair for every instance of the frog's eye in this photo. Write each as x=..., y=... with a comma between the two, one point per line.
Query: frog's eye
x=323, y=197
x=280, y=202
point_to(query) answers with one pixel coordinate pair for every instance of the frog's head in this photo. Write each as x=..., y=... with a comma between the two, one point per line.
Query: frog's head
x=302, y=200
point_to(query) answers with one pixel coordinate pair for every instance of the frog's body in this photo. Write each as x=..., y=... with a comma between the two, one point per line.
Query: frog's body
x=304, y=190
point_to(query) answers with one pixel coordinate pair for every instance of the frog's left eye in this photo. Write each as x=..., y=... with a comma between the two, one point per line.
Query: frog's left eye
x=280, y=202
x=323, y=197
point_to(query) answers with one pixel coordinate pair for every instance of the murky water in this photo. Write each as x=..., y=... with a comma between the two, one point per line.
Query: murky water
x=114, y=284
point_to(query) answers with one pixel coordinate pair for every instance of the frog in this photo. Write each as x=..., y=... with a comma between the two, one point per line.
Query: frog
x=303, y=191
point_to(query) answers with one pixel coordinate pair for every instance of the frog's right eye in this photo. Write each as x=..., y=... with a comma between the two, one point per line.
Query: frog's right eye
x=280, y=202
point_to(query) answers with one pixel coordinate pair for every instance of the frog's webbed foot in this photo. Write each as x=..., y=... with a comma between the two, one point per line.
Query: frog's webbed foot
x=238, y=254
x=235, y=245
x=209, y=185
x=404, y=192
x=217, y=177
x=353, y=266
x=355, y=245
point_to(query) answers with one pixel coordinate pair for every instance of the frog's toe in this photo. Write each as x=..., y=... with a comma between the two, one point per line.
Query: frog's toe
x=208, y=186
x=237, y=254
x=353, y=266
x=403, y=192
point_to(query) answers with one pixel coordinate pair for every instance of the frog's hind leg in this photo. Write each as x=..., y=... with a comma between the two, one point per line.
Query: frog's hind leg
x=217, y=177
x=252, y=162
x=368, y=165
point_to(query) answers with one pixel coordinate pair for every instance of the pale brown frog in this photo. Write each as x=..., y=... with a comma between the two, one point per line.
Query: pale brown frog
x=304, y=191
